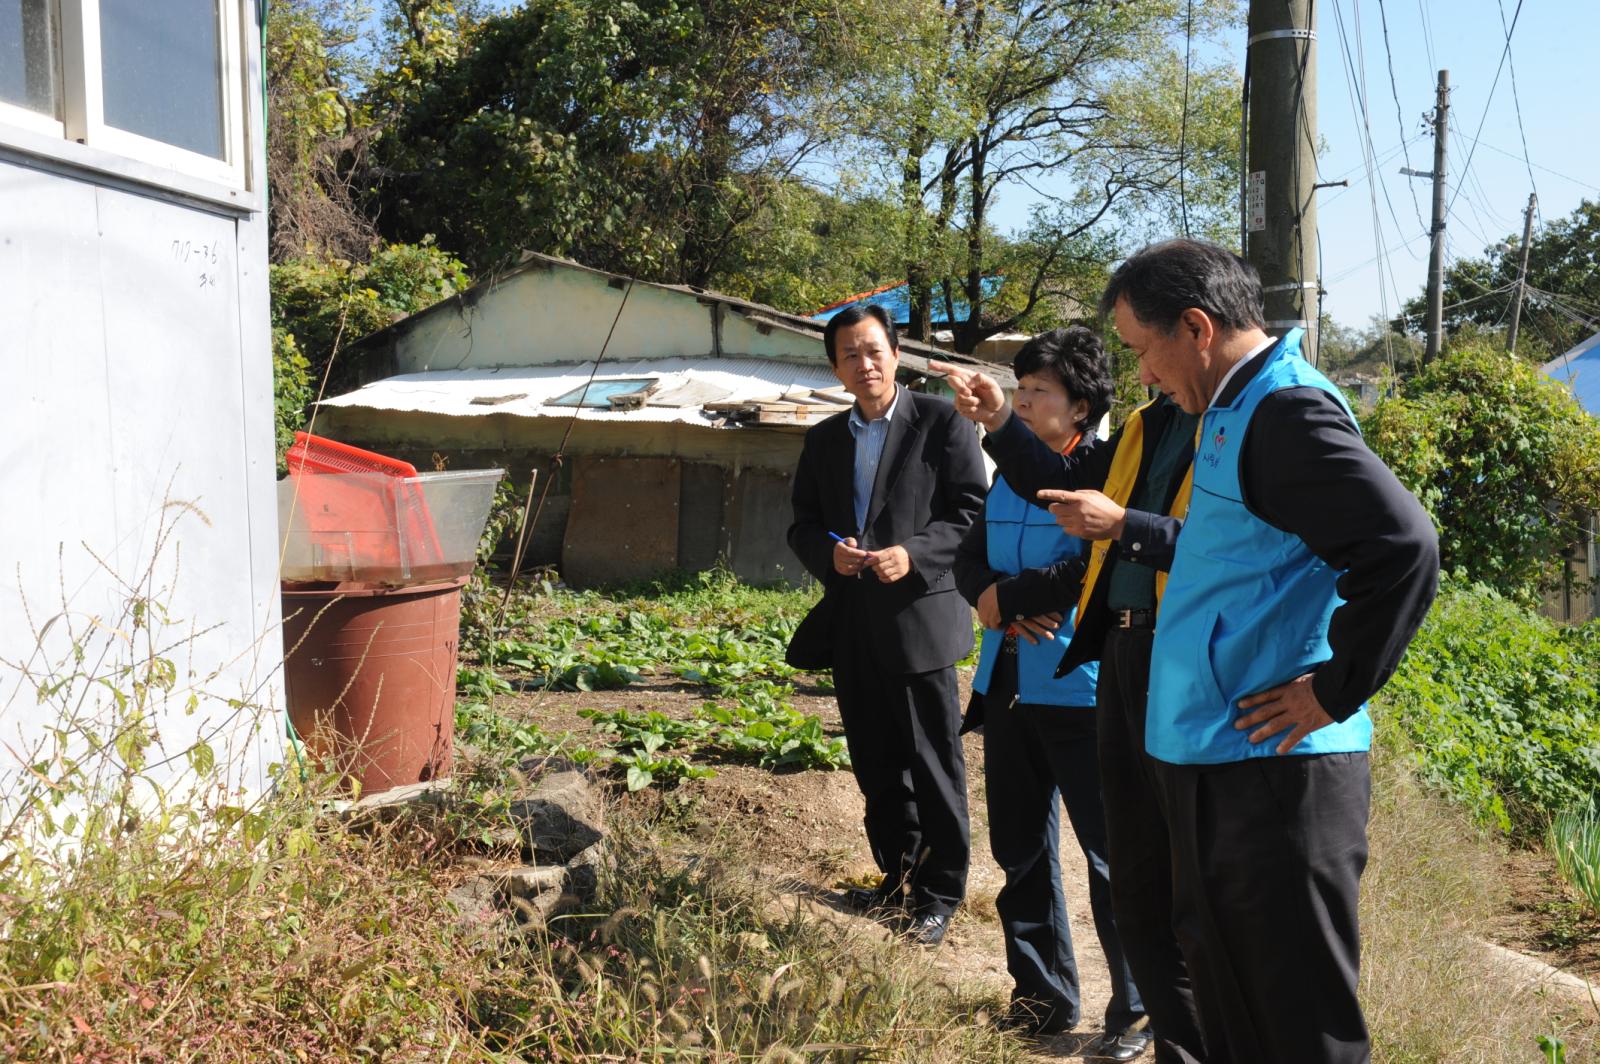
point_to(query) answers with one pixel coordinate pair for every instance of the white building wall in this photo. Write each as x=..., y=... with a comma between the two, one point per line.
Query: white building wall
x=561, y=314
x=137, y=396
x=550, y=315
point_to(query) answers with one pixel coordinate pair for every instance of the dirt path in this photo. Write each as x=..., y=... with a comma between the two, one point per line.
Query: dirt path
x=803, y=833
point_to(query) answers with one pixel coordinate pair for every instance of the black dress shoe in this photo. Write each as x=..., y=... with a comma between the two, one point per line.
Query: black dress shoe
x=927, y=930
x=873, y=902
x=1032, y=1019
x=1122, y=1045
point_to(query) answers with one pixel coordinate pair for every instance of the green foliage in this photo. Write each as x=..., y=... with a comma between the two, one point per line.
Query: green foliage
x=315, y=132
x=639, y=137
x=1502, y=707
x=1573, y=838
x=326, y=304
x=511, y=741
x=1049, y=94
x=1564, y=260
x=291, y=390
x=1504, y=459
x=705, y=628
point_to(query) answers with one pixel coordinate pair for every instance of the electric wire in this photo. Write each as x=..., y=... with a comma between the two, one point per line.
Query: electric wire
x=1427, y=34
x=1367, y=155
x=1366, y=112
x=1516, y=99
x=1537, y=166
x=1399, y=114
x=1493, y=85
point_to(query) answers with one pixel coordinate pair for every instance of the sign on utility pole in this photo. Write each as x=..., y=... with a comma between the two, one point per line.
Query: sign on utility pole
x=1280, y=211
x=1522, y=275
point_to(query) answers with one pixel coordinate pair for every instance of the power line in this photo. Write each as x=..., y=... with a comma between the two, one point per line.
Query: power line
x=1399, y=115
x=1349, y=271
x=1506, y=51
x=1367, y=156
x=1516, y=99
x=1546, y=169
x=1427, y=34
x=1359, y=93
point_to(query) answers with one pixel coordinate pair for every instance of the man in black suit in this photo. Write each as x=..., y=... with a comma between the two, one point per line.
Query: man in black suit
x=882, y=497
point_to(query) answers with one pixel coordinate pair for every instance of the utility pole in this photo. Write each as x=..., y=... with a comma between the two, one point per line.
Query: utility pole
x=1522, y=274
x=1280, y=211
x=1441, y=115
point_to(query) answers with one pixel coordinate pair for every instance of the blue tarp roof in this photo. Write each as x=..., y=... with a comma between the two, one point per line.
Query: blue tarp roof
x=896, y=299
x=1579, y=369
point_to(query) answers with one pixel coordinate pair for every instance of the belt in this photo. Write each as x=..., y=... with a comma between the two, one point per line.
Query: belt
x=1133, y=619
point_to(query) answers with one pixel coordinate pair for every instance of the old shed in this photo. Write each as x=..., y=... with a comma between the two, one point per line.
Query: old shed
x=680, y=441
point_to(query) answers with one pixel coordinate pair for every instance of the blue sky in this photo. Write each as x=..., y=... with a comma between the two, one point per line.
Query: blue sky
x=1555, y=50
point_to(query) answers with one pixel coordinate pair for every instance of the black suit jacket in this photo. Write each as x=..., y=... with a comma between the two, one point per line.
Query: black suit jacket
x=929, y=488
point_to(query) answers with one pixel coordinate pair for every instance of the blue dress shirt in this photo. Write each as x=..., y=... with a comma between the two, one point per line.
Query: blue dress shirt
x=870, y=437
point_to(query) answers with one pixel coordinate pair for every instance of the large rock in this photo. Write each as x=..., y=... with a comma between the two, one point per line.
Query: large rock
x=560, y=814
x=558, y=820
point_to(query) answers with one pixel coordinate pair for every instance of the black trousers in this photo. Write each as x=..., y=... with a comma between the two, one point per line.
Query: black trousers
x=905, y=750
x=1267, y=862
x=1140, y=851
x=1031, y=754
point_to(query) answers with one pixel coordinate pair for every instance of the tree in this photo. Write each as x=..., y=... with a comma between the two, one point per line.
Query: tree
x=1373, y=351
x=1074, y=98
x=1562, y=304
x=322, y=305
x=1504, y=459
x=641, y=136
x=316, y=133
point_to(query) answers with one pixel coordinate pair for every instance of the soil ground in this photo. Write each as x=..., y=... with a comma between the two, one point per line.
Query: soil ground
x=803, y=833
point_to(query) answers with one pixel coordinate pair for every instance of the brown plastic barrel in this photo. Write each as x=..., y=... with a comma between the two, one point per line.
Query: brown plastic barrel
x=370, y=678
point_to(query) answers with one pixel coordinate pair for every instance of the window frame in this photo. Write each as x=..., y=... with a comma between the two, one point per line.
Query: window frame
x=87, y=140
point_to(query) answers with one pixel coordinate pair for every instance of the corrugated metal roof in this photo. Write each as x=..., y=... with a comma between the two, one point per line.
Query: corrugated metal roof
x=527, y=391
x=1579, y=369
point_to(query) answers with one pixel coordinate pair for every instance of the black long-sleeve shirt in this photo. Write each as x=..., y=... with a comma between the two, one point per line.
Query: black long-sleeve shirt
x=1305, y=470
x=1031, y=592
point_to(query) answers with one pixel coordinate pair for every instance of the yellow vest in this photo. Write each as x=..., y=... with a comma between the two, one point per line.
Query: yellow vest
x=1119, y=488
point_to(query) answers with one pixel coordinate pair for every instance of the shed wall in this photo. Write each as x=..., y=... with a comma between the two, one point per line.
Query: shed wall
x=732, y=486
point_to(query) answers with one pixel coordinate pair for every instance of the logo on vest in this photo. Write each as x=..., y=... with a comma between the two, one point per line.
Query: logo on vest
x=1218, y=441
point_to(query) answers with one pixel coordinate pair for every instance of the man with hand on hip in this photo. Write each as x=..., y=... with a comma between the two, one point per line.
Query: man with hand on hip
x=1303, y=570
x=883, y=495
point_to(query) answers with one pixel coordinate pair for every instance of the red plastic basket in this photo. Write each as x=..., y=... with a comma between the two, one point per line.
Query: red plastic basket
x=369, y=527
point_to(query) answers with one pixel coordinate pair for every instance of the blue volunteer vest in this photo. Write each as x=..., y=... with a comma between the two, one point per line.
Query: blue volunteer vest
x=1021, y=537
x=1247, y=605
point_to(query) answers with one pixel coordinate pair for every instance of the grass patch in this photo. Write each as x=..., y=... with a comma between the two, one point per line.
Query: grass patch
x=691, y=956
x=1429, y=893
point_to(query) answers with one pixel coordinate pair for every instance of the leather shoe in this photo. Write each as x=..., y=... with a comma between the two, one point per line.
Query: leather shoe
x=1032, y=1019
x=927, y=929
x=1122, y=1045
x=871, y=901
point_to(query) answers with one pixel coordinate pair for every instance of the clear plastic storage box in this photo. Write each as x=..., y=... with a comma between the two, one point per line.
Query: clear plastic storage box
x=378, y=528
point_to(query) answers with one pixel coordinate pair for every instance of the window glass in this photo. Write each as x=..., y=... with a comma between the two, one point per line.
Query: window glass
x=597, y=395
x=161, y=64
x=28, y=70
